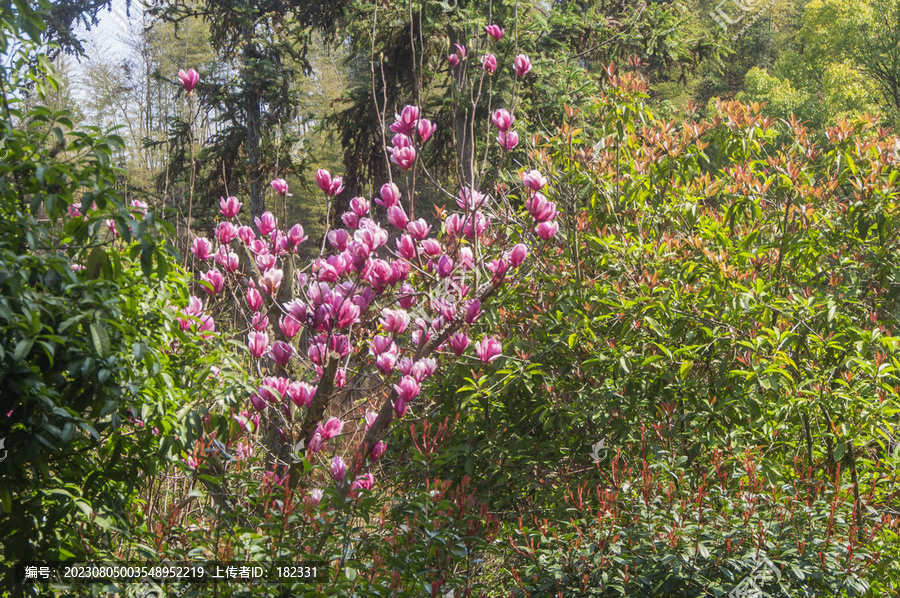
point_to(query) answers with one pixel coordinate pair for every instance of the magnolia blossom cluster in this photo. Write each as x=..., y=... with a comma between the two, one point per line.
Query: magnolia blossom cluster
x=367, y=299
x=506, y=137
x=541, y=209
x=522, y=64
x=408, y=127
x=362, y=272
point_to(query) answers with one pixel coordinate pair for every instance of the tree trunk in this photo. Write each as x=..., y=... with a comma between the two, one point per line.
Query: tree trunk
x=254, y=118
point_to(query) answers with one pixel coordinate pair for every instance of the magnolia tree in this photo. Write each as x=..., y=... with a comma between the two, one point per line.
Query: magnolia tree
x=389, y=298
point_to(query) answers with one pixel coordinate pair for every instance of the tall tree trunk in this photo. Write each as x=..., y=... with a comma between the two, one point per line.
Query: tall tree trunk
x=254, y=119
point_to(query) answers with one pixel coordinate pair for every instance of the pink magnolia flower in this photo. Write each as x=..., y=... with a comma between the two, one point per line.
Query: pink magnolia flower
x=316, y=443
x=201, y=248
x=194, y=307
x=495, y=31
x=232, y=262
x=405, y=122
x=518, y=255
x=370, y=418
x=453, y=225
x=453, y=59
x=246, y=422
x=331, y=269
x=226, y=232
x=533, y=180
x=279, y=243
x=488, y=349
x=404, y=157
x=502, y=119
x=407, y=389
x=377, y=450
x=315, y=496
x=431, y=247
x=397, y=217
x=385, y=362
x=338, y=239
x=254, y=299
x=331, y=428
x=295, y=236
x=257, y=342
x=282, y=353
x=489, y=63
x=222, y=257
x=405, y=366
x=331, y=186
x=301, y=393
x=360, y=206
x=257, y=401
x=350, y=219
x=390, y=195
x=246, y=234
x=270, y=281
x=401, y=140
x=541, y=209
x=274, y=388
x=323, y=320
x=362, y=483
x=547, y=230
x=394, y=321
x=399, y=271
x=297, y=309
x=473, y=310
x=470, y=199
x=260, y=321
x=424, y=368
x=266, y=223
x=418, y=229
x=406, y=247
x=370, y=234
x=508, y=141
x=466, y=258
x=138, y=208
x=460, y=50
x=189, y=79
x=207, y=326
x=265, y=262
x=347, y=314
x=445, y=266
x=214, y=278
x=289, y=325
x=74, y=210
x=407, y=297
x=230, y=207
x=338, y=468
x=476, y=226
x=280, y=186
x=459, y=342
x=400, y=407
x=523, y=65
x=425, y=129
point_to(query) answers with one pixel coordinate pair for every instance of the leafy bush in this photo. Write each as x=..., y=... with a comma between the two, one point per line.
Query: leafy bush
x=96, y=377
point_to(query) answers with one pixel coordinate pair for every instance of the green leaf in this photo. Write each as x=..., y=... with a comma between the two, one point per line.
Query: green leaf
x=23, y=348
x=686, y=366
x=100, y=338
x=654, y=325
x=839, y=451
